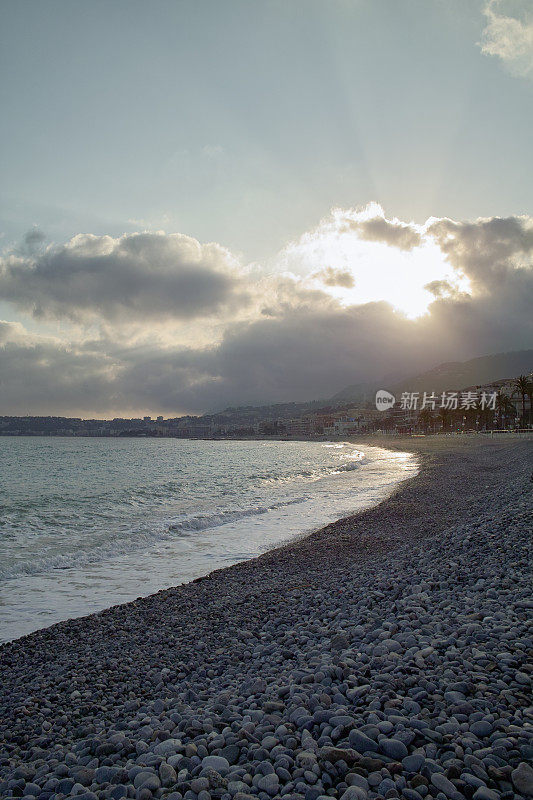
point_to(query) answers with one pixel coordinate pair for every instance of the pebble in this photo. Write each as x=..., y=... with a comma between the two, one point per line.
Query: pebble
x=354, y=793
x=217, y=763
x=445, y=786
x=312, y=673
x=522, y=778
x=413, y=763
x=393, y=748
x=362, y=743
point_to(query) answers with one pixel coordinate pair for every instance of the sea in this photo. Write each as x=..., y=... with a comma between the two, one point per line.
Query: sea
x=87, y=523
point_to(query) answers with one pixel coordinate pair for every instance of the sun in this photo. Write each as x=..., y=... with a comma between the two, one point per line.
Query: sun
x=384, y=273
x=380, y=271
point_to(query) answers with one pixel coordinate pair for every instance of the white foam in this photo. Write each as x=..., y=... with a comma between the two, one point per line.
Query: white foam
x=171, y=511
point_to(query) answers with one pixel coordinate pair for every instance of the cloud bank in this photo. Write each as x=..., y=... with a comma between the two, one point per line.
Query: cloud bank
x=141, y=274
x=284, y=339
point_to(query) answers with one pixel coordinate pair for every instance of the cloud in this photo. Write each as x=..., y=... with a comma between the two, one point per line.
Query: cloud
x=33, y=239
x=488, y=251
x=135, y=276
x=375, y=250
x=335, y=277
x=40, y=375
x=378, y=229
x=294, y=343
x=10, y=331
x=508, y=35
x=309, y=353
x=441, y=288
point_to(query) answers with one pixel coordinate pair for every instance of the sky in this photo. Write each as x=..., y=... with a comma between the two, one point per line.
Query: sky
x=212, y=203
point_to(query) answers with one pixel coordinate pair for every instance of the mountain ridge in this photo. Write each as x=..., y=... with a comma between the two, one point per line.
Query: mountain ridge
x=450, y=375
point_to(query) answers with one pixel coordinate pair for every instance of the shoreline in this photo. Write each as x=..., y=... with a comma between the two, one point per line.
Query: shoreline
x=257, y=438
x=318, y=484
x=245, y=637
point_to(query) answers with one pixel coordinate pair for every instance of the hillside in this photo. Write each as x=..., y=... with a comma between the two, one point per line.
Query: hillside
x=449, y=375
x=477, y=371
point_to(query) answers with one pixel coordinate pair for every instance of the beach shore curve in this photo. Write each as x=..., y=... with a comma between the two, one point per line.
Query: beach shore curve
x=385, y=655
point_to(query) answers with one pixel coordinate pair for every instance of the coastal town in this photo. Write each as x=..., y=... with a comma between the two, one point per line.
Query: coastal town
x=500, y=405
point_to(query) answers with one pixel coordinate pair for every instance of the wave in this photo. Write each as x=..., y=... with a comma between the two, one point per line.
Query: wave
x=348, y=467
x=202, y=522
x=125, y=541
x=44, y=562
x=354, y=461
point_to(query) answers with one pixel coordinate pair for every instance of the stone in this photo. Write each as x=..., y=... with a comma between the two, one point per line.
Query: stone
x=105, y=774
x=339, y=642
x=119, y=791
x=445, y=786
x=167, y=747
x=146, y=780
x=413, y=762
x=84, y=796
x=393, y=748
x=217, y=763
x=231, y=753
x=362, y=743
x=312, y=673
x=35, y=789
x=334, y=754
x=354, y=779
x=481, y=728
x=354, y=793
x=269, y=784
x=484, y=793
x=522, y=778
x=167, y=775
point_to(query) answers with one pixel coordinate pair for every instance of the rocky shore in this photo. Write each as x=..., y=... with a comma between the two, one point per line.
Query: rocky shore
x=385, y=656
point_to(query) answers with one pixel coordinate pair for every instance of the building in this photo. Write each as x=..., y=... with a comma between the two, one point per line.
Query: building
x=299, y=427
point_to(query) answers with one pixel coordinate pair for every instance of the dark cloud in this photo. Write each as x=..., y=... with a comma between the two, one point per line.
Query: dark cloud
x=439, y=288
x=314, y=354
x=298, y=355
x=379, y=229
x=488, y=251
x=39, y=376
x=335, y=277
x=300, y=344
x=34, y=238
x=442, y=288
x=140, y=276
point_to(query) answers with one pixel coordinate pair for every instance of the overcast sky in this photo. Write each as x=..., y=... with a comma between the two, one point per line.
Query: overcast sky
x=206, y=203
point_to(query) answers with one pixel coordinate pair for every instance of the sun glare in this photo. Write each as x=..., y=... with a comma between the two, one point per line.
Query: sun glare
x=381, y=272
x=397, y=277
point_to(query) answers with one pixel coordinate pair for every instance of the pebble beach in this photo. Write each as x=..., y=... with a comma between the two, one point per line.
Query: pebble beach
x=387, y=655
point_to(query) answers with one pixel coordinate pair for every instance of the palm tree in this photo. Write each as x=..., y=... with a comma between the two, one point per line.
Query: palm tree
x=504, y=407
x=522, y=386
x=425, y=418
x=471, y=415
x=445, y=417
x=485, y=415
x=500, y=407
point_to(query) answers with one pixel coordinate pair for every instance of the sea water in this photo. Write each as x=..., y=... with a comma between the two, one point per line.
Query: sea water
x=86, y=523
